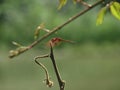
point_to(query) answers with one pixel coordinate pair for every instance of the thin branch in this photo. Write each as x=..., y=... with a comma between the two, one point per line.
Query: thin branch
x=48, y=82
x=45, y=69
x=59, y=27
x=47, y=79
x=60, y=81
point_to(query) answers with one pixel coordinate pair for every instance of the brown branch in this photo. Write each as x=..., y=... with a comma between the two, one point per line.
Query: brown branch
x=49, y=83
x=60, y=81
x=59, y=27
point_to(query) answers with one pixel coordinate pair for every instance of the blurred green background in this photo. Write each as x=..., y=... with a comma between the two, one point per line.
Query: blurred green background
x=93, y=63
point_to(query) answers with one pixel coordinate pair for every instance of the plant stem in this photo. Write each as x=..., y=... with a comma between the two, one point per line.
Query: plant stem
x=60, y=81
x=61, y=26
x=47, y=79
x=45, y=69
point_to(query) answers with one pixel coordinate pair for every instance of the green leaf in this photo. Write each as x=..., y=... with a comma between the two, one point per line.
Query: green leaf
x=62, y=3
x=117, y=6
x=100, y=16
x=115, y=9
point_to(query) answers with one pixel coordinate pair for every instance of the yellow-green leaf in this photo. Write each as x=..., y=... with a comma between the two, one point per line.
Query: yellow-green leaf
x=16, y=44
x=115, y=9
x=117, y=6
x=100, y=16
x=62, y=3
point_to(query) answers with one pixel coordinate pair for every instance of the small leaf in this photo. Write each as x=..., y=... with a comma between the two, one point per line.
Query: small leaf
x=117, y=6
x=37, y=31
x=100, y=16
x=16, y=44
x=62, y=3
x=115, y=9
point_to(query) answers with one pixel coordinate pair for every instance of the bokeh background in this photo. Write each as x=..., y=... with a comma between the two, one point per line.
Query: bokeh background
x=92, y=63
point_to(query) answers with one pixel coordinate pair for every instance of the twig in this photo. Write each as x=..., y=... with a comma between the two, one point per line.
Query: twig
x=47, y=79
x=61, y=82
x=60, y=26
x=48, y=82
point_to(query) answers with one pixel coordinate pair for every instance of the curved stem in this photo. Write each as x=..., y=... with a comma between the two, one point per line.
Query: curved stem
x=45, y=69
x=48, y=82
